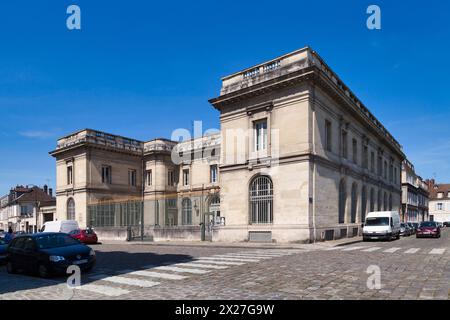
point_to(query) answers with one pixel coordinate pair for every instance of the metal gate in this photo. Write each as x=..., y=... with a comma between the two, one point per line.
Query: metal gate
x=208, y=225
x=118, y=215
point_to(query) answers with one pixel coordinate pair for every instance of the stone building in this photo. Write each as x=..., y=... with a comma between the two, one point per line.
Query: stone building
x=439, y=201
x=26, y=208
x=414, y=195
x=298, y=158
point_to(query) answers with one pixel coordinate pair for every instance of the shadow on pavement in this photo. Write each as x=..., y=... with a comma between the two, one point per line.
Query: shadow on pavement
x=108, y=263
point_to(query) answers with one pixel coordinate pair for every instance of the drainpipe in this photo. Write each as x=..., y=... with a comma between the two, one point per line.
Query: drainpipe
x=314, y=164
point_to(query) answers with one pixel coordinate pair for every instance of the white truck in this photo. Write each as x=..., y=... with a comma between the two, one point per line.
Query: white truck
x=382, y=225
x=64, y=226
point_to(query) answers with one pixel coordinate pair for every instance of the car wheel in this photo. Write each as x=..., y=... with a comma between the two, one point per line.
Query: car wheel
x=10, y=268
x=43, y=271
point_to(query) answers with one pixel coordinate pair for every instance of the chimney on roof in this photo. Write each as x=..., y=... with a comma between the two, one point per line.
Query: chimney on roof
x=50, y=192
x=45, y=188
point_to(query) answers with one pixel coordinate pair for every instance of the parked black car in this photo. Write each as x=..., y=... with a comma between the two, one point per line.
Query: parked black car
x=412, y=227
x=447, y=223
x=48, y=253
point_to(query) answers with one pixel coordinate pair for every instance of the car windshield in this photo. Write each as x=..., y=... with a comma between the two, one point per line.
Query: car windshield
x=55, y=241
x=428, y=224
x=382, y=221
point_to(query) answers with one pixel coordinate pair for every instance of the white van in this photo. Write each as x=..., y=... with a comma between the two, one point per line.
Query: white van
x=382, y=225
x=64, y=226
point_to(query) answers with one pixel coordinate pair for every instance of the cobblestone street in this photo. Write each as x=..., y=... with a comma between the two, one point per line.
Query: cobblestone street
x=410, y=269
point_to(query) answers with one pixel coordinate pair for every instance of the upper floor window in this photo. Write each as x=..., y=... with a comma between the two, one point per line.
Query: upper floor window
x=106, y=174
x=365, y=157
x=344, y=144
x=385, y=170
x=24, y=210
x=170, y=178
x=185, y=177
x=327, y=135
x=213, y=173
x=391, y=172
x=70, y=175
x=372, y=161
x=260, y=129
x=355, y=150
x=132, y=177
x=149, y=177
x=439, y=206
x=380, y=166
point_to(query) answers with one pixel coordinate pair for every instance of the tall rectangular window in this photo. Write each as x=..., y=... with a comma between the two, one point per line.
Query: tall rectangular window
x=365, y=157
x=385, y=169
x=149, y=177
x=344, y=144
x=355, y=150
x=395, y=175
x=260, y=129
x=439, y=206
x=69, y=175
x=391, y=172
x=327, y=135
x=106, y=174
x=372, y=161
x=380, y=166
x=213, y=173
x=185, y=177
x=170, y=178
x=132, y=177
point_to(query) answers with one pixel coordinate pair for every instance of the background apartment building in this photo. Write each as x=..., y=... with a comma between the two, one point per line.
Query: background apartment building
x=27, y=208
x=439, y=201
x=298, y=158
x=415, y=195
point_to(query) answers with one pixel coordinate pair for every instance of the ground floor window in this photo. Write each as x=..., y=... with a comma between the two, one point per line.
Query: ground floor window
x=261, y=200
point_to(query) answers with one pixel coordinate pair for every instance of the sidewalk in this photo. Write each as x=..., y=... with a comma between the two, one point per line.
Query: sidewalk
x=245, y=245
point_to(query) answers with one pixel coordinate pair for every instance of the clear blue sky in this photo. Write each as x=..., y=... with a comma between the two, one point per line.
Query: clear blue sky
x=144, y=68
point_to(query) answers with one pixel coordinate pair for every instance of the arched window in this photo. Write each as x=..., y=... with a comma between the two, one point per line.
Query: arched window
x=372, y=200
x=342, y=200
x=390, y=202
x=354, y=203
x=71, y=209
x=380, y=200
x=385, y=201
x=363, y=203
x=186, y=211
x=261, y=200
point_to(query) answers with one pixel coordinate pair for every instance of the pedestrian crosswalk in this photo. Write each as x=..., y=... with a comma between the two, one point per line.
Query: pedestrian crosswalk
x=393, y=250
x=123, y=282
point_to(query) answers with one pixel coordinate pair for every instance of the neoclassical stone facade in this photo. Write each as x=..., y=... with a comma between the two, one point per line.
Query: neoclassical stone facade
x=298, y=158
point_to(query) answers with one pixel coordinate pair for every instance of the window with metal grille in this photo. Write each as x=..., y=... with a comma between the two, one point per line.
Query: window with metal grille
x=261, y=200
x=187, y=211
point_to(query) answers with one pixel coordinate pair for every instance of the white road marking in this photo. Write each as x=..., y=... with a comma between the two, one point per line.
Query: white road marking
x=124, y=280
x=151, y=274
x=200, y=265
x=242, y=256
x=106, y=290
x=353, y=248
x=228, y=259
x=412, y=250
x=333, y=248
x=392, y=250
x=229, y=263
x=268, y=255
x=437, y=251
x=176, y=269
x=371, y=249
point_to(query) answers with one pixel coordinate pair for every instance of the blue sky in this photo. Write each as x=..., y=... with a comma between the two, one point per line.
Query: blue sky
x=144, y=68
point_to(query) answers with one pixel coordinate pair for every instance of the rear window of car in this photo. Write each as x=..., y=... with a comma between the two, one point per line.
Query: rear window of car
x=55, y=241
x=428, y=224
x=88, y=231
